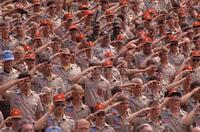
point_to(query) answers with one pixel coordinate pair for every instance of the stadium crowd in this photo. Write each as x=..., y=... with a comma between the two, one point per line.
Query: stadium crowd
x=99, y=65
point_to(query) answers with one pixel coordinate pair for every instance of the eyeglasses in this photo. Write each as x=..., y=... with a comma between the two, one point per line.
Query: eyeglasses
x=58, y=105
x=195, y=59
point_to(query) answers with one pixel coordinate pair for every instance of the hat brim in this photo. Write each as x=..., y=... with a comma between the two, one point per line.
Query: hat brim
x=8, y=59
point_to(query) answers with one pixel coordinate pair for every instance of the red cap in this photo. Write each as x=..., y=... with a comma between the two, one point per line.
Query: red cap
x=120, y=37
x=59, y=98
x=195, y=53
x=107, y=63
x=109, y=13
x=188, y=68
x=27, y=48
x=73, y=27
x=38, y=35
x=108, y=54
x=16, y=113
x=81, y=37
x=68, y=16
x=123, y=2
x=30, y=56
x=36, y=1
x=83, y=6
x=46, y=22
x=99, y=106
x=90, y=44
x=88, y=12
x=196, y=24
x=147, y=39
x=152, y=11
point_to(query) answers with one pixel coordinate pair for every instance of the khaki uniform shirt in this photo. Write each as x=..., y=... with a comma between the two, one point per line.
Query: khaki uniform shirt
x=137, y=104
x=66, y=123
x=55, y=83
x=174, y=122
x=96, y=91
x=168, y=74
x=30, y=105
x=76, y=114
x=176, y=60
x=67, y=74
x=106, y=128
x=118, y=123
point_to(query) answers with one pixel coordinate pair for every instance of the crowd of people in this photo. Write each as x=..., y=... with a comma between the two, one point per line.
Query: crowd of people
x=100, y=65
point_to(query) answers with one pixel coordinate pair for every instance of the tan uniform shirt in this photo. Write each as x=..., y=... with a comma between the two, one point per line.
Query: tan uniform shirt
x=55, y=83
x=76, y=114
x=66, y=74
x=96, y=91
x=174, y=122
x=66, y=123
x=137, y=103
x=106, y=128
x=119, y=123
x=30, y=105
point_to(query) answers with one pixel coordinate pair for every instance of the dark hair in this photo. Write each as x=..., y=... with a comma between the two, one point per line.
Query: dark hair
x=24, y=74
x=115, y=90
x=194, y=85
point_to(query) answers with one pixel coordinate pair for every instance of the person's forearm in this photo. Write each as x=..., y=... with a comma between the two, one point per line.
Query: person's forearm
x=185, y=98
x=173, y=85
x=6, y=86
x=41, y=122
x=134, y=115
x=188, y=119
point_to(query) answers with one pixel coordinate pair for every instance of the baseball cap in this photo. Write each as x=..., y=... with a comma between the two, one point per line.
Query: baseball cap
x=53, y=129
x=45, y=90
x=59, y=98
x=30, y=56
x=16, y=113
x=7, y=55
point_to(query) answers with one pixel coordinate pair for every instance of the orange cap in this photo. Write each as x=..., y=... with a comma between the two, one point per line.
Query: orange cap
x=81, y=37
x=196, y=24
x=30, y=56
x=90, y=44
x=27, y=48
x=120, y=37
x=68, y=16
x=99, y=106
x=36, y=1
x=195, y=53
x=38, y=35
x=147, y=39
x=107, y=63
x=16, y=113
x=188, y=68
x=152, y=11
x=88, y=12
x=108, y=54
x=83, y=6
x=123, y=2
x=59, y=98
x=109, y=13
x=46, y=22
x=73, y=27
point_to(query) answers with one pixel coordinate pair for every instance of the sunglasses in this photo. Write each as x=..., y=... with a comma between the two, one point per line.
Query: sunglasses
x=58, y=105
x=101, y=114
x=195, y=59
